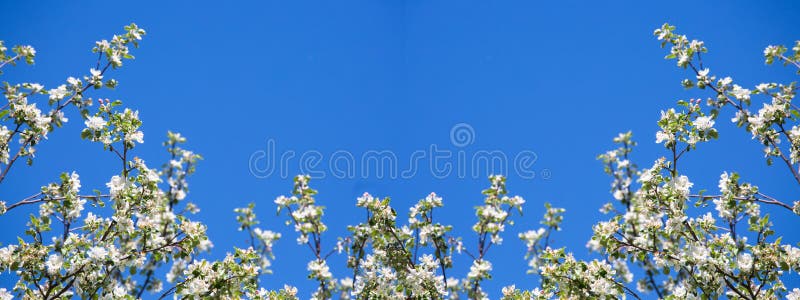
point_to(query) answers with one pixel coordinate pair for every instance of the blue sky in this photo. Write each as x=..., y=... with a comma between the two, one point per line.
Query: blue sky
x=557, y=78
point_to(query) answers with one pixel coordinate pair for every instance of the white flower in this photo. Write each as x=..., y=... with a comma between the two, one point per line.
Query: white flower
x=136, y=33
x=115, y=59
x=606, y=229
x=74, y=179
x=97, y=75
x=117, y=184
x=696, y=45
x=794, y=133
x=745, y=262
x=646, y=176
x=531, y=236
x=740, y=93
x=290, y=289
x=722, y=208
x=95, y=123
x=681, y=185
x=281, y=200
x=54, y=263
x=192, y=229
x=152, y=176
x=305, y=213
x=302, y=180
x=602, y=286
x=683, y=59
x=97, y=254
x=75, y=212
x=516, y=201
x=196, y=286
x=59, y=115
x=509, y=290
x=6, y=254
x=180, y=195
x=619, y=194
x=74, y=82
x=771, y=50
x=58, y=93
x=42, y=121
x=698, y=253
x=6, y=295
x=319, y=269
x=205, y=245
x=136, y=136
x=794, y=295
x=91, y=220
x=723, y=182
x=756, y=120
x=489, y=211
x=662, y=136
x=593, y=245
x=119, y=291
x=452, y=282
x=479, y=269
x=663, y=33
x=707, y=220
x=429, y=262
x=623, y=164
x=703, y=123
x=267, y=236
x=496, y=239
x=702, y=73
x=740, y=115
x=434, y=200
x=35, y=88
x=102, y=45
x=679, y=291
x=346, y=282
x=4, y=132
x=27, y=51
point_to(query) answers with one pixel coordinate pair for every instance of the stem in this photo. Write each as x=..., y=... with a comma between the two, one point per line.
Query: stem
x=16, y=57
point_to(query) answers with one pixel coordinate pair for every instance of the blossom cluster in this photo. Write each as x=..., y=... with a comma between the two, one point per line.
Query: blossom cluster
x=730, y=251
x=110, y=244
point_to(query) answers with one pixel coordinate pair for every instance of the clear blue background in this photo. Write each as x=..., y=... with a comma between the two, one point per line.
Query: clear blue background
x=558, y=78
